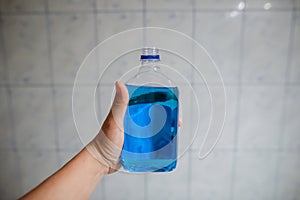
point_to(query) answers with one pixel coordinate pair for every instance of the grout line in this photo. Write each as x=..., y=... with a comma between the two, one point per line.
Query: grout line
x=8, y=91
x=189, y=167
x=119, y=11
x=103, y=182
x=194, y=24
x=55, y=115
x=249, y=150
x=7, y=86
x=289, y=62
x=66, y=85
x=144, y=24
x=252, y=150
x=44, y=150
x=96, y=40
x=95, y=23
x=188, y=10
x=2, y=76
x=45, y=85
x=146, y=187
x=211, y=10
x=68, y=12
x=238, y=104
x=4, y=61
x=189, y=174
x=284, y=99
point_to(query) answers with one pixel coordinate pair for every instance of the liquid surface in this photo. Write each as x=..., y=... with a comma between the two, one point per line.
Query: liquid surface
x=150, y=126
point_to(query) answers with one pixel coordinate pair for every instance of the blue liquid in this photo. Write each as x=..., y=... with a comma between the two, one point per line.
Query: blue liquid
x=150, y=126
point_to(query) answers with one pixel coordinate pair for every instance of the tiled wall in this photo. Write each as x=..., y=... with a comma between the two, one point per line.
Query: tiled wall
x=255, y=43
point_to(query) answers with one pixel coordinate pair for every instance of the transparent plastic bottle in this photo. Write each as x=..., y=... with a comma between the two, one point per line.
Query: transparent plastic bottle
x=151, y=119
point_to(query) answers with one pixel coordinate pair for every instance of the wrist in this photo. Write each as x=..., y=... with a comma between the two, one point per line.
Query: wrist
x=98, y=168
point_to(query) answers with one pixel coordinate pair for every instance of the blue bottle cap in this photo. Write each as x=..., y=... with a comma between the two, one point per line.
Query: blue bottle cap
x=150, y=57
x=150, y=53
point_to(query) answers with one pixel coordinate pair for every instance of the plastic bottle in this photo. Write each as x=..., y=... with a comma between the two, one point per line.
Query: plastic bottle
x=151, y=119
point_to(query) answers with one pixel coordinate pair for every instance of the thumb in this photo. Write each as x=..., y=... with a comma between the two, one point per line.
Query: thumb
x=121, y=97
x=119, y=105
x=118, y=108
x=107, y=145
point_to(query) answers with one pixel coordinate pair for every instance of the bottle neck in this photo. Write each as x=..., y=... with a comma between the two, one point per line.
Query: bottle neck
x=150, y=74
x=149, y=65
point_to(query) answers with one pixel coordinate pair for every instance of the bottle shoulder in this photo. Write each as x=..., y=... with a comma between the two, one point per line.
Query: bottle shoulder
x=151, y=78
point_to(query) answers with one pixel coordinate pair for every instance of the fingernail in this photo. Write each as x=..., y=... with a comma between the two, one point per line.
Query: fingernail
x=117, y=87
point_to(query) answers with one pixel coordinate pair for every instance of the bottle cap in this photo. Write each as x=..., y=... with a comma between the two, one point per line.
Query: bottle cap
x=150, y=53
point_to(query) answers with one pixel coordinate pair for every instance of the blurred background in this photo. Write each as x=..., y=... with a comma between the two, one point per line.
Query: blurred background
x=256, y=44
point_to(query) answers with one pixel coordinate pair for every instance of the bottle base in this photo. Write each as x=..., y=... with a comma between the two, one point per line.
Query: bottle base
x=158, y=165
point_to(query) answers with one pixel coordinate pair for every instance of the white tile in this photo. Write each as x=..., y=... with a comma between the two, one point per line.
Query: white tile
x=219, y=4
x=113, y=23
x=297, y=4
x=122, y=68
x=291, y=136
x=104, y=98
x=288, y=177
x=260, y=117
x=295, y=62
x=211, y=177
x=265, y=46
x=220, y=36
x=119, y=4
x=172, y=185
x=33, y=118
x=84, y=111
x=227, y=136
x=21, y=5
x=187, y=131
x=2, y=67
x=67, y=134
x=72, y=38
x=202, y=116
x=71, y=5
x=216, y=115
x=255, y=175
x=99, y=191
x=175, y=47
x=177, y=69
x=270, y=4
x=115, y=62
x=6, y=141
x=123, y=21
x=35, y=167
x=169, y=4
x=10, y=186
x=128, y=186
x=26, y=49
x=174, y=67
x=176, y=20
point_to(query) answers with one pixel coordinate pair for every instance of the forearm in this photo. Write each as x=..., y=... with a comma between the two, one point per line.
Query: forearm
x=76, y=180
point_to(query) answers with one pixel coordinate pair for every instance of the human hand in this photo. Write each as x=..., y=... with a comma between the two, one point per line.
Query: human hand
x=106, y=147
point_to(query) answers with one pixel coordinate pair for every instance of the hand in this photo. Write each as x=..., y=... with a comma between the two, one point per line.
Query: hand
x=106, y=147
